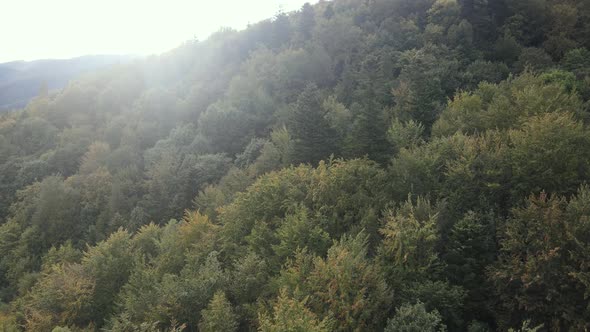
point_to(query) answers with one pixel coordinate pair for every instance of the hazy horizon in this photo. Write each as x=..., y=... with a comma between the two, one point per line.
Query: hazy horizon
x=64, y=29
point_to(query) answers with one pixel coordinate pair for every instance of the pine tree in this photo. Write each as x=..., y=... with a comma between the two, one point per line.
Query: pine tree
x=368, y=135
x=307, y=21
x=312, y=135
x=218, y=316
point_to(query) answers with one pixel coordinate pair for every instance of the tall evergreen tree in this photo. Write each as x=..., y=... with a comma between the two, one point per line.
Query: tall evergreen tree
x=306, y=21
x=368, y=134
x=218, y=316
x=313, y=137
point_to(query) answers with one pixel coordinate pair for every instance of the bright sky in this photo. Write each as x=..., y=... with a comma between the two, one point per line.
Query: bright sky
x=39, y=29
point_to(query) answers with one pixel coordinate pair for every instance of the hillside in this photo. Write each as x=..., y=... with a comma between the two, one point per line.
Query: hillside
x=20, y=81
x=381, y=165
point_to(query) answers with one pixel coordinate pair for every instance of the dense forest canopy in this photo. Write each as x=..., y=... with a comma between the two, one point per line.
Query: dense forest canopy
x=357, y=165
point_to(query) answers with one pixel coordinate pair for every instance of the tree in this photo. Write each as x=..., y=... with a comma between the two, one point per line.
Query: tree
x=367, y=135
x=534, y=59
x=427, y=76
x=345, y=285
x=471, y=249
x=95, y=157
x=300, y=231
x=564, y=169
x=405, y=135
x=109, y=264
x=218, y=316
x=560, y=39
x=292, y=315
x=505, y=105
x=536, y=275
x=409, y=257
x=228, y=128
x=63, y=296
x=306, y=21
x=410, y=236
x=313, y=138
x=577, y=61
x=249, y=283
x=415, y=318
x=276, y=153
x=182, y=297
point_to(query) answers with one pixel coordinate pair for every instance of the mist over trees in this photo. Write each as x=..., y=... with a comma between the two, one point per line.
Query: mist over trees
x=383, y=165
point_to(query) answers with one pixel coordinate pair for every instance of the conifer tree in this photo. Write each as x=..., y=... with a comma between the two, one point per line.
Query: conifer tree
x=368, y=134
x=312, y=135
x=218, y=316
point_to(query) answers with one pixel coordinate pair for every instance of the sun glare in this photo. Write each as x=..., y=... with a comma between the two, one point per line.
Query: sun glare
x=69, y=28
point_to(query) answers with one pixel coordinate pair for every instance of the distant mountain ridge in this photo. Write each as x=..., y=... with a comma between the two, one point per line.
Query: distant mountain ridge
x=20, y=81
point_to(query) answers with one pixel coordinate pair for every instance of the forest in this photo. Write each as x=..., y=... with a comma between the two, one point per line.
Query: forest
x=356, y=165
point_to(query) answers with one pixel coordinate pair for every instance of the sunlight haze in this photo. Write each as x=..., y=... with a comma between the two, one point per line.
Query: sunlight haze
x=37, y=29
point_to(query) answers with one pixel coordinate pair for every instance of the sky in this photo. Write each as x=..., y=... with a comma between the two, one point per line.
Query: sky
x=42, y=29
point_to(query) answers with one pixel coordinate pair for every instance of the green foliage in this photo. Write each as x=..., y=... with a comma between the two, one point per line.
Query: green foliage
x=313, y=138
x=109, y=265
x=564, y=168
x=577, y=60
x=344, y=196
x=337, y=115
x=426, y=76
x=405, y=135
x=292, y=315
x=63, y=296
x=218, y=316
x=203, y=186
x=480, y=71
x=367, y=136
x=250, y=274
x=441, y=296
x=415, y=318
x=275, y=154
x=410, y=236
x=123, y=324
x=61, y=329
x=527, y=328
x=53, y=206
x=66, y=253
x=345, y=285
x=505, y=105
x=471, y=249
x=228, y=128
x=537, y=275
x=8, y=323
x=181, y=296
x=299, y=231
x=534, y=59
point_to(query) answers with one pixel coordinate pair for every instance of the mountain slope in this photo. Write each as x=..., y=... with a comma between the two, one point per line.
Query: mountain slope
x=20, y=81
x=382, y=165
